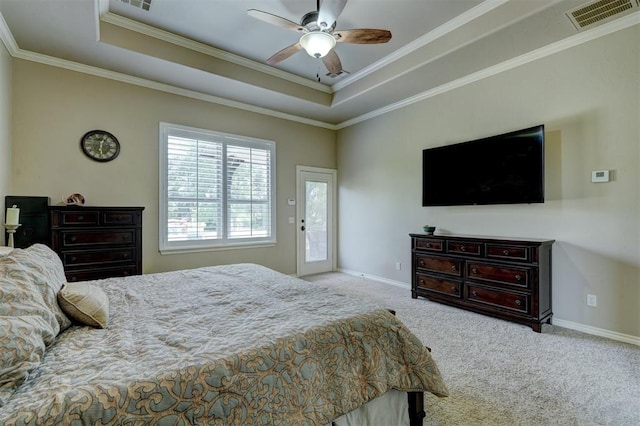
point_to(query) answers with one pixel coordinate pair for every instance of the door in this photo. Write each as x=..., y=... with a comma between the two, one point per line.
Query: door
x=315, y=220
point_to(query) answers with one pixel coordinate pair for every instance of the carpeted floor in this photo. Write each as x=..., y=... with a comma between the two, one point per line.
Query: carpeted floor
x=500, y=373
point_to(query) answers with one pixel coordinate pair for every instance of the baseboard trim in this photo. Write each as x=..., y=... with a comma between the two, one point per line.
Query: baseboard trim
x=376, y=278
x=613, y=335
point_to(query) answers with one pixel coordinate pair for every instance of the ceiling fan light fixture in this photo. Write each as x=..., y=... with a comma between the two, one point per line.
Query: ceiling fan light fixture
x=317, y=43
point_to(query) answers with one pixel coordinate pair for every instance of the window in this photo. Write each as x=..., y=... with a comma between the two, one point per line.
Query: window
x=216, y=190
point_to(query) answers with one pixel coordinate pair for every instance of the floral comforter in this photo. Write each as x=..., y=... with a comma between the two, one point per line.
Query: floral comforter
x=236, y=344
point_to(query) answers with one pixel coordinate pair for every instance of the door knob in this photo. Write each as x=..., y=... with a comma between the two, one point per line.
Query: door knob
x=302, y=228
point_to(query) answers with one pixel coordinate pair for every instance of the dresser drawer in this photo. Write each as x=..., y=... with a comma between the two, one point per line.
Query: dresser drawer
x=70, y=239
x=443, y=265
x=439, y=285
x=499, y=274
x=98, y=256
x=508, y=252
x=120, y=218
x=99, y=273
x=463, y=247
x=428, y=244
x=496, y=298
x=76, y=218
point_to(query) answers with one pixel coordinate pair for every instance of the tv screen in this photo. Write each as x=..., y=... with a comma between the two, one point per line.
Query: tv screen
x=502, y=169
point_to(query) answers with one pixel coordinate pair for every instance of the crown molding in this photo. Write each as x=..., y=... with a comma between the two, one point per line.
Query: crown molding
x=442, y=30
x=163, y=35
x=162, y=87
x=578, y=39
x=567, y=43
x=7, y=37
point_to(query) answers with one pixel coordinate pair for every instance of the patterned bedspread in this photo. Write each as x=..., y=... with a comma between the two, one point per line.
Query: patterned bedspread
x=236, y=344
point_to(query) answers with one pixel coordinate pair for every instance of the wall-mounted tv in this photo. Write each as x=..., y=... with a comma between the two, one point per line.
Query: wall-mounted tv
x=502, y=169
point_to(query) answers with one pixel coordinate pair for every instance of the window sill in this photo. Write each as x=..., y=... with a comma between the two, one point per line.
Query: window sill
x=185, y=250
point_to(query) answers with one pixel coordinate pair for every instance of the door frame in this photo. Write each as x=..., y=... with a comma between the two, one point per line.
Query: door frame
x=299, y=215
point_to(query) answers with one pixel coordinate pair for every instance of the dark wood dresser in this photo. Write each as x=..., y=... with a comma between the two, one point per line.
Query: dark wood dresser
x=504, y=278
x=97, y=242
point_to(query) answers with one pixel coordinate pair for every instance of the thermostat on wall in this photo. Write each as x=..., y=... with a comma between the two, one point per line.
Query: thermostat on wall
x=600, y=176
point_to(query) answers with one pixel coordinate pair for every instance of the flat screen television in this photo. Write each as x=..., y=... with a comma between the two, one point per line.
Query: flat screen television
x=502, y=169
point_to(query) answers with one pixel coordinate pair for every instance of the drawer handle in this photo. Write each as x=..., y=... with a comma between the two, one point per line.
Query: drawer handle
x=125, y=237
x=454, y=268
x=73, y=258
x=505, y=252
x=518, y=277
x=80, y=218
x=428, y=245
x=125, y=255
x=474, y=270
x=421, y=262
x=72, y=279
x=474, y=293
x=518, y=302
x=454, y=289
x=72, y=239
x=463, y=248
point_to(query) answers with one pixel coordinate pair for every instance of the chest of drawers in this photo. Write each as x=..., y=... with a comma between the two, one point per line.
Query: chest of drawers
x=97, y=242
x=505, y=278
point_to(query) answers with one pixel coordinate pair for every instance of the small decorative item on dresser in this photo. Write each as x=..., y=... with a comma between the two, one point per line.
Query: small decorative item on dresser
x=12, y=222
x=74, y=200
x=429, y=229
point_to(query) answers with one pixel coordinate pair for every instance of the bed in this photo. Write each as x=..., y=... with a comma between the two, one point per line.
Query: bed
x=234, y=344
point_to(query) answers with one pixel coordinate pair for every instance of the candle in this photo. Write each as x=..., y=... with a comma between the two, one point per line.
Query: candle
x=12, y=215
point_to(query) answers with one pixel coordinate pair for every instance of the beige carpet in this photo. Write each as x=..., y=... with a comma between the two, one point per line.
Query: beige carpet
x=500, y=373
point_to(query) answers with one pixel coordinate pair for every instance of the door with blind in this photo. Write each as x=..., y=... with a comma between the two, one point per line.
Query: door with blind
x=316, y=231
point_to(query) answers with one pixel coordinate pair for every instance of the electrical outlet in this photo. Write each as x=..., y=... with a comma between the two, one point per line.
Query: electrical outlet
x=592, y=300
x=398, y=266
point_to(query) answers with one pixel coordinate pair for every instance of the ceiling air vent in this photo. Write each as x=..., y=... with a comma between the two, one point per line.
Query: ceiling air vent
x=140, y=4
x=600, y=11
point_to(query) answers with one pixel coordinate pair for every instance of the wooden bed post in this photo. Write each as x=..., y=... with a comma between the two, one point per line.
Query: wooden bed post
x=416, y=401
x=416, y=408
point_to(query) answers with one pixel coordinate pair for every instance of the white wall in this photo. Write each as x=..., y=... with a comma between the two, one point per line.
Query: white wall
x=54, y=107
x=588, y=98
x=5, y=132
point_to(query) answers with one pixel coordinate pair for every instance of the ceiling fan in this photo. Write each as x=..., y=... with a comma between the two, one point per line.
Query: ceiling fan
x=319, y=35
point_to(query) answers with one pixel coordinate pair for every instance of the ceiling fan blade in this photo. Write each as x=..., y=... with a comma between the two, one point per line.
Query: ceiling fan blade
x=274, y=19
x=332, y=62
x=284, y=54
x=363, y=36
x=329, y=12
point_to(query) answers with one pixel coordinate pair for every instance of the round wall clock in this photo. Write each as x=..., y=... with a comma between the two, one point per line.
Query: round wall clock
x=100, y=145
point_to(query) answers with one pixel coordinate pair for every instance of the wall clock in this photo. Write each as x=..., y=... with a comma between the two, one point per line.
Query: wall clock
x=100, y=145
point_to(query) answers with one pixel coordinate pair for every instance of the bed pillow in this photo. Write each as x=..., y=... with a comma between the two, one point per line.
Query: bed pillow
x=27, y=324
x=85, y=303
x=5, y=251
x=44, y=269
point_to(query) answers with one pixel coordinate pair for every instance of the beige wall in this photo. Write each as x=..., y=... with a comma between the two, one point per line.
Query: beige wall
x=5, y=132
x=54, y=107
x=588, y=98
